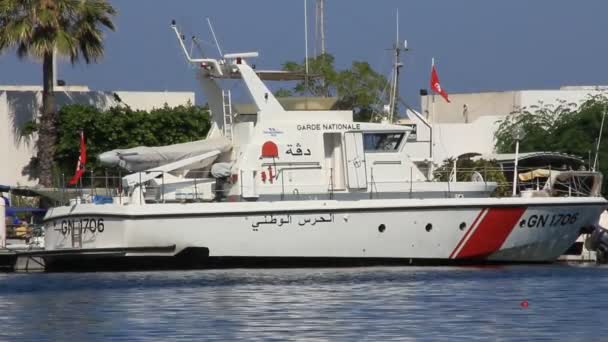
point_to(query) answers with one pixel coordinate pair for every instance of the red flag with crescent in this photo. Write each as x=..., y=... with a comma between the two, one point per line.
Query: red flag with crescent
x=436, y=85
x=82, y=160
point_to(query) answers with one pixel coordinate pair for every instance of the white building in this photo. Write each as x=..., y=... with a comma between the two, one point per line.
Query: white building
x=21, y=104
x=467, y=124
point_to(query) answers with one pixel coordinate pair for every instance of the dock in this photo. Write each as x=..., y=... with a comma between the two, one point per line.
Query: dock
x=19, y=260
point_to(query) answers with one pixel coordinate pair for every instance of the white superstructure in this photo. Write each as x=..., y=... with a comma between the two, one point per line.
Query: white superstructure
x=307, y=187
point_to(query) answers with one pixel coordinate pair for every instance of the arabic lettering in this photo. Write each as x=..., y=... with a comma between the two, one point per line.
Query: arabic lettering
x=272, y=219
x=283, y=221
x=303, y=222
x=280, y=220
x=319, y=219
x=298, y=151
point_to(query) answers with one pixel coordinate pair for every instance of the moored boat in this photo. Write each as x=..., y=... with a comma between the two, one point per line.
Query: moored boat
x=278, y=187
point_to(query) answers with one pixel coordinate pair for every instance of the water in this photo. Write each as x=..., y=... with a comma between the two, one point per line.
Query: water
x=376, y=304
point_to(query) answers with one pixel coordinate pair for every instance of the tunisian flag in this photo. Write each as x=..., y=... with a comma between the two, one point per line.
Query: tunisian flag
x=436, y=86
x=82, y=160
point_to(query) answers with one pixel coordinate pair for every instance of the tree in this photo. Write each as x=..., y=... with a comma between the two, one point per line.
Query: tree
x=323, y=76
x=122, y=127
x=538, y=122
x=566, y=128
x=358, y=88
x=41, y=28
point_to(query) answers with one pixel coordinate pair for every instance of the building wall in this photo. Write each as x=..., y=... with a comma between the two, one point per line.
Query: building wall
x=477, y=104
x=19, y=105
x=457, y=130
x=577, y=96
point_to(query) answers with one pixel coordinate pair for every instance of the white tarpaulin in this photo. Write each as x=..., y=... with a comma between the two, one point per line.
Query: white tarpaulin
x=142, y=158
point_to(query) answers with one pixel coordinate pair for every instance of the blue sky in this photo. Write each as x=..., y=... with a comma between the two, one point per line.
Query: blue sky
x=479, y=45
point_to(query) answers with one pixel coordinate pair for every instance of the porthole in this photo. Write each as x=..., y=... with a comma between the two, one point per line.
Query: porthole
x=428, y=227
x=462, y=226
x=381, y=228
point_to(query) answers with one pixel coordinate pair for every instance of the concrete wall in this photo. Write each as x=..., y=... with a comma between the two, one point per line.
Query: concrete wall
x=19, y=105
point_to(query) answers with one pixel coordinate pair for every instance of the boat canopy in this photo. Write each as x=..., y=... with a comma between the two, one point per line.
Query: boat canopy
x=537, y=173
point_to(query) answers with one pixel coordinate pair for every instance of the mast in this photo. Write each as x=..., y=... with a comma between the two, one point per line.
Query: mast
x=394, y=95
x=319, y=46
x=320, y=28
x=306, y=45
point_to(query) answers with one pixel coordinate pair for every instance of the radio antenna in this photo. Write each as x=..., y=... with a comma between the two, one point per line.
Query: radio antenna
x=214, y=37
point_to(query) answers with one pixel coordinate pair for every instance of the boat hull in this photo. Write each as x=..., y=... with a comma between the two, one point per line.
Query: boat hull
x=317, y=233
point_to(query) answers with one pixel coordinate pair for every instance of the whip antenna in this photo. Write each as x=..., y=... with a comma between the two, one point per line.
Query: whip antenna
x=214, y=37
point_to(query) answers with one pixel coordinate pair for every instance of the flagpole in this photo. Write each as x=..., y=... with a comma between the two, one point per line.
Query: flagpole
x=433, y=94
x=432, y=122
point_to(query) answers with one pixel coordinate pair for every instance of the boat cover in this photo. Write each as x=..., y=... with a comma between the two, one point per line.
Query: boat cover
x=142, y=158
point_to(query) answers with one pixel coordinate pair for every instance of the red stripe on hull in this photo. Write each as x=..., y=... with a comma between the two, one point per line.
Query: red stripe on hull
x=492, y=232
x=466, y=234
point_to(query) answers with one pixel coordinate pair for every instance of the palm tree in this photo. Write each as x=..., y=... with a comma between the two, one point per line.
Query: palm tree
x=41, y=28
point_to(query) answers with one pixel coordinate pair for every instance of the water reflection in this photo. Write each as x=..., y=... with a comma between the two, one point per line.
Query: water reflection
x=308, y=304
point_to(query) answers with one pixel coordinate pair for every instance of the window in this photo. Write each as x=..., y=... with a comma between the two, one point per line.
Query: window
x=382, y=142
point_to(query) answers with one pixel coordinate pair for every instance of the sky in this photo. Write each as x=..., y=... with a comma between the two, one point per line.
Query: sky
x=478, y=45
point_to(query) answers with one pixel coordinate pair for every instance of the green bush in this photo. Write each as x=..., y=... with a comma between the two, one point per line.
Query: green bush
x=122, y=127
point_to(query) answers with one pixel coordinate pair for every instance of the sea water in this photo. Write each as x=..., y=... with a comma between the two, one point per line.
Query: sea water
x=554, y=302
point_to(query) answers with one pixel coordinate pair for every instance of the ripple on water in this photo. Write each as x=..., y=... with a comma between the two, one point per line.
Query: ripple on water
x=399, y=303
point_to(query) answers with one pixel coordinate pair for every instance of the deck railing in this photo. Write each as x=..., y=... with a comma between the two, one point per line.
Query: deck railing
x=97, y=186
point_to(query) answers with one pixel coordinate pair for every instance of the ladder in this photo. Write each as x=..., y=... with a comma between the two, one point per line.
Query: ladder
x=77, y=235
x=227, y=105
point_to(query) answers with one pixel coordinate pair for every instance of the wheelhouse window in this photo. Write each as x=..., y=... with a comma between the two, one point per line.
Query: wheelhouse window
x=382, y=142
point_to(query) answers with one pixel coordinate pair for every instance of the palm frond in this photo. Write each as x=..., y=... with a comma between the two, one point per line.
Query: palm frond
x=73, y=28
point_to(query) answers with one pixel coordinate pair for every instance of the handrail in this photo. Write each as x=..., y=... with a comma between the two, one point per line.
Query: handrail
x=157, y=191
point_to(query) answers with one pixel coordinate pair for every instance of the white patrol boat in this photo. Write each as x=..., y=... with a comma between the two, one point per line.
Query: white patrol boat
x=303, y=187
